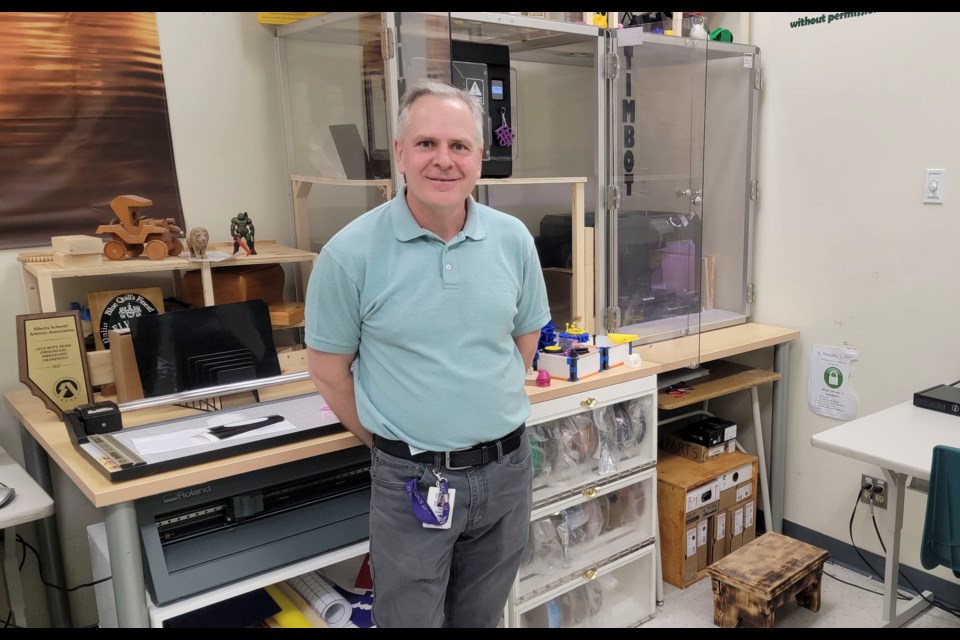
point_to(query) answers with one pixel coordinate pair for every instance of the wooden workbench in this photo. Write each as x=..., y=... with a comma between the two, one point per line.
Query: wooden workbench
x=49, y=439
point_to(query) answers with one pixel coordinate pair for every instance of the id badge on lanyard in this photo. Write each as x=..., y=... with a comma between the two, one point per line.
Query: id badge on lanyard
x=436, y=511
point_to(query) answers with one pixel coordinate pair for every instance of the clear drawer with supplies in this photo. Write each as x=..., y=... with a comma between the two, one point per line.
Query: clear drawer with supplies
x=594, y=510
x=619, y=593
x=582, y=533
x=601, y=441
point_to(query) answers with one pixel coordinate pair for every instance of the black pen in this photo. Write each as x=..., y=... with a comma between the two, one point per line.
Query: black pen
x=243, y=426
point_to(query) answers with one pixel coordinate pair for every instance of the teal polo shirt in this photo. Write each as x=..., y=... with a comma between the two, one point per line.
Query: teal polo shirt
x=432, y=322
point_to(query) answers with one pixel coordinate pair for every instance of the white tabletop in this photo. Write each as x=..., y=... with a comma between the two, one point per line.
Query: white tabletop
x=30, y=501
x=900, y=438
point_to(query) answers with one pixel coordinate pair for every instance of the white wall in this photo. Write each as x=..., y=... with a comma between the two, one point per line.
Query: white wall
x=851, y=114
x=223, y=97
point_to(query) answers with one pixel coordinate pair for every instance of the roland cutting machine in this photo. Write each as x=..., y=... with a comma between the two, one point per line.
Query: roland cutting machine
x=200, y=537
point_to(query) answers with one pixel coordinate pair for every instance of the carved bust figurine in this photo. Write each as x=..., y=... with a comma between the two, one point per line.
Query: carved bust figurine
x=197, y=242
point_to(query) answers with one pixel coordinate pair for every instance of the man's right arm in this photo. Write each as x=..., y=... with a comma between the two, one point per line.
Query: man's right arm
x=333, y=378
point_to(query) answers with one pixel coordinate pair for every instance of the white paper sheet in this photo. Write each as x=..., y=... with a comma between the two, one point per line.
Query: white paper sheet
x=192, y=437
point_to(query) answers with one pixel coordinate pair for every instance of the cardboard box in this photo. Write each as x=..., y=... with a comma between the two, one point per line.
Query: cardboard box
x=701, y=497
x=749, y=521
x=690, y=555
x=688, y=492
x=703, y=540
x=736, y=485
x=735, y=518
x=237, y=284
x=673, y=443
x=745, y=490
x=720, y=536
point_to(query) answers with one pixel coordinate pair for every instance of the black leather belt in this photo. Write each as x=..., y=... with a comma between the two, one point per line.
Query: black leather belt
x=480, y=454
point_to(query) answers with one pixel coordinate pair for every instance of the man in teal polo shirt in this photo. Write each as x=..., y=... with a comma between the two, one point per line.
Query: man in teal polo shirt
x=423, y=317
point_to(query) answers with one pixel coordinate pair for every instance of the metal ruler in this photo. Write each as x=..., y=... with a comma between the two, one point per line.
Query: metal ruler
x=118, y=453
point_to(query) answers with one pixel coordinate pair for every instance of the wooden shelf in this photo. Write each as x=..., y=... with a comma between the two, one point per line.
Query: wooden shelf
x=38, y=277
x=725, y=377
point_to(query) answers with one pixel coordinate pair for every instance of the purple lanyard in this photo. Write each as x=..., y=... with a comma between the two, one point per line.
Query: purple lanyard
x=420, y=507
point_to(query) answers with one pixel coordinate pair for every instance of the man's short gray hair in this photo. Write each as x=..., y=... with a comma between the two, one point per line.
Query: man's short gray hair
x=442, y=90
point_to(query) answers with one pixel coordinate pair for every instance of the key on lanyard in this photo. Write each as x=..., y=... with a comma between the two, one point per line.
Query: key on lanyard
x=422, y=509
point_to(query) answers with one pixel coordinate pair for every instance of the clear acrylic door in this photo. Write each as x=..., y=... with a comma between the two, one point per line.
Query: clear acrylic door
x=654, y=246
x=423, y=47
x=422, y=51
x=335, y=120
x=728, y=172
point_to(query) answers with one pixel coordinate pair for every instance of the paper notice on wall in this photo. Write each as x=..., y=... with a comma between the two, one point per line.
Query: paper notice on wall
x=828, y=389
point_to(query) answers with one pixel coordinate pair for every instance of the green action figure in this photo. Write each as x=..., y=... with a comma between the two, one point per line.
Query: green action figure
x=241, y=229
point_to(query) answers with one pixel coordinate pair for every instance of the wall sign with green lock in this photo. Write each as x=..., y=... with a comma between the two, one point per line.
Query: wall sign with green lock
x=828, y=391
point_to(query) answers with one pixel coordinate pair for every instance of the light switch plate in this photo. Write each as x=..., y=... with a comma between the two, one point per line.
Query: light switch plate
x=933, y=186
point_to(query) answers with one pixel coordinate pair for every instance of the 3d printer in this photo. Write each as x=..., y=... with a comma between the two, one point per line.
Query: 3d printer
x=480, y=69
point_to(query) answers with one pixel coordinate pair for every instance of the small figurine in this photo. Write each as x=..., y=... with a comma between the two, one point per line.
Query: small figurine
x=242, y=230
x=197, y=242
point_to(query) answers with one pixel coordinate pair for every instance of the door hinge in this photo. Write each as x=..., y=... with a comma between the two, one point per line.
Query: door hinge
x=611, y=319
x=388, y=44
x=754, y=189
x=758, y=79
x=613, y=196
x=612, y=67
x=751, y=293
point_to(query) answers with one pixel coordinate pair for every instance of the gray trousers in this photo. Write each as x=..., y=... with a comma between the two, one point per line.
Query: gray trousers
x=456, y=577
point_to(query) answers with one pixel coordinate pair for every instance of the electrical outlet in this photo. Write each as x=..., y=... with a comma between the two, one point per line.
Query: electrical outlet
x=866, y=489
x=880, y=494
x=873, y=491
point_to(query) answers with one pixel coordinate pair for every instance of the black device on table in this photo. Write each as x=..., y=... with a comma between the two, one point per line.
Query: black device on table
x=943, y=397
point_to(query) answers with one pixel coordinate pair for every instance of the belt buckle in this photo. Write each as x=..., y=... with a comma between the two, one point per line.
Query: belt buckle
x=449, y=465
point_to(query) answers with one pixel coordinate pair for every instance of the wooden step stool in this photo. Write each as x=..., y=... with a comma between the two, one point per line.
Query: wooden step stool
x=750, y=583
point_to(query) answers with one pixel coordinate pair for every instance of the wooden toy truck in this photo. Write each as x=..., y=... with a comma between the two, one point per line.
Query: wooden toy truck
x=129, y=234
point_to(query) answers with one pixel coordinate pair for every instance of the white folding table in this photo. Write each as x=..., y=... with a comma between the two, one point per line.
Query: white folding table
x=899, y=440
x=29, y=503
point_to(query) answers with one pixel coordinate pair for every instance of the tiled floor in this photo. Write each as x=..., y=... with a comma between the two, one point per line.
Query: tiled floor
x=841, y=605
